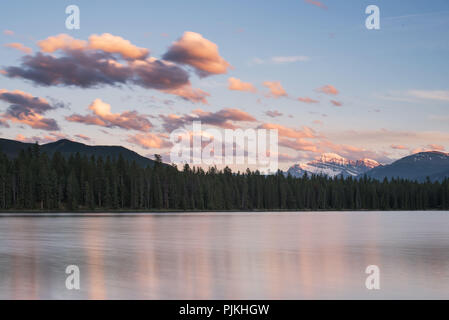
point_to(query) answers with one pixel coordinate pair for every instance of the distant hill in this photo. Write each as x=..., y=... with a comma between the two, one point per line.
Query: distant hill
x=419, y=166
x=66, y=147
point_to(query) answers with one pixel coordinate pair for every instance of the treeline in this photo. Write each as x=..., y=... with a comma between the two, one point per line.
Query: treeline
x=34, y=180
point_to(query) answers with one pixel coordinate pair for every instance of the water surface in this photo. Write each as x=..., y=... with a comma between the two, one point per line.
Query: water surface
x=226, y=255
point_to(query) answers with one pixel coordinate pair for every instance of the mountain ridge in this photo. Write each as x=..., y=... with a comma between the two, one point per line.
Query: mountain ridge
x=418, y=166
x=68, y=147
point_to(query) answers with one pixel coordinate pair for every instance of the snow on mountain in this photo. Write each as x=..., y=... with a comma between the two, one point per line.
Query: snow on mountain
x=332, y=164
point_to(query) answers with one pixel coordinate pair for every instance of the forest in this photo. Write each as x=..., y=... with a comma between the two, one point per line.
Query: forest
x=36, y=181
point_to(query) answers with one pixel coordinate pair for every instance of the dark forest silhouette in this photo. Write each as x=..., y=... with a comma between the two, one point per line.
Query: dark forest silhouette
x=35, y=181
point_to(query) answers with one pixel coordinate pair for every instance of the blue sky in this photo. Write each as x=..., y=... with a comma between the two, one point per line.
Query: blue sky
x=392, y=83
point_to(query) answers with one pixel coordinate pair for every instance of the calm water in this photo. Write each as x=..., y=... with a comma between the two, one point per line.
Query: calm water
x=226, y=256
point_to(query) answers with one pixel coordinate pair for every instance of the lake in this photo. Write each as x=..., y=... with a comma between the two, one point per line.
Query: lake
x=290, y=255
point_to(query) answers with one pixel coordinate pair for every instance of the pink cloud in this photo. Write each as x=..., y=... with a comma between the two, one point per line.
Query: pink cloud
x=115, y=44
x=96, y=62
x=307, y=100
x=188, y=93
x=239, y=85
x=27, y=109
x=299, y=144
x=317, y=4
x=429, y=147
x=20, y=47
x=149, y=141
x=52, y=137
x=336, y=103
x=105, y=42
x=328, y=89
x=8, y=32
x=276, y=89
x=283, y=131
x=398, y=147
x=82, y=137
x=102, y=116
x=200, y=53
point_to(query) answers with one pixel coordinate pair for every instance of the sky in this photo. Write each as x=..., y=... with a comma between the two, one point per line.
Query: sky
x=137, y=70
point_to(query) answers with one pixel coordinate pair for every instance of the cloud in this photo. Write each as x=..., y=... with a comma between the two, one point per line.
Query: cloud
x=439, y=95
x=299, y=144
x=336, y=103
x=279, y=60
x=289, y=59
x=307, y=100
x=102, y=116
x=51, y=137
x=398, y=147
x=20, y=47
x=114, y=44
x=188, y=93
x=283, y=131
x=4, y=123
x=61, y=42
x=194, y=50
x=98, y=63
x=82, y=137
x=328, y=89
x=105, y=42
x=8, y=32
x=273, y=114
x=276, y=89
x=239, y=85
x=429, y=147
x=29, y=110
x=148, y=141
x=223, y=118
x=316, y=3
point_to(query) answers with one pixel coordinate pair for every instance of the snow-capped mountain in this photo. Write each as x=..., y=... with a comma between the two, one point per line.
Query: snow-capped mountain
x=331, y=164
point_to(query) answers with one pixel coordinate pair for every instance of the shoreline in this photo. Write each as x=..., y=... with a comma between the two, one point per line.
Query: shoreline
x=137, y=213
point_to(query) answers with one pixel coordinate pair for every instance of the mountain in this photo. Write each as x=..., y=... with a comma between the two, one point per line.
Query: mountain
x=66, y=147
x=419, y=166
x=331, y=164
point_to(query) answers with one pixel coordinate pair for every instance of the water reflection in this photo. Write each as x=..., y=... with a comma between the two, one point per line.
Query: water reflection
x=226, y=256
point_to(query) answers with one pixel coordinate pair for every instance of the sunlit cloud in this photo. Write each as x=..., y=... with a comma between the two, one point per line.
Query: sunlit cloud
x=95, y=63
x=20, y=47
x=200, y=53
x=398, y=147
x=82, y=137
x=307, y=100
x=102, y=116
x=149, y=141
x=239, y=85
x=429, y=147
x=276, y=89
x=284, y=131
x=51, y=137
x=29, y=110
x=328, y=89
